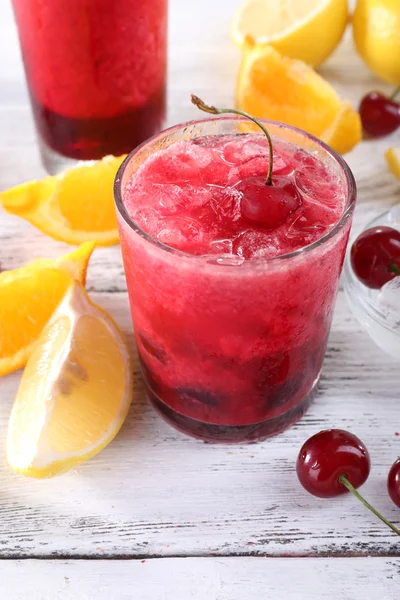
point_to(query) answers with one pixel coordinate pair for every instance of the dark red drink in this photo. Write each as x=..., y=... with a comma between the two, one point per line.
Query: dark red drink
x=96, y=71
x=232, y=317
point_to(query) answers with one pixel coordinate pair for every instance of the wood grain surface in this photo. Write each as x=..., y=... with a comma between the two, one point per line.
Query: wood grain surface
x=154, y=493
x=204, y=578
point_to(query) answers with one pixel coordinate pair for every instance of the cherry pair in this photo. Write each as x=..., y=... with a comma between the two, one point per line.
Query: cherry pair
x=335, y=461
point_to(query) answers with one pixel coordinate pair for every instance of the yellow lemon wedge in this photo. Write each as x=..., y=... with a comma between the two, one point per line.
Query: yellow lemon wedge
x=376, y=32
x=273, y=86
x=305, y=29
x=392, y=156
x=75, y=391
x=28, y=297
x=74, y=207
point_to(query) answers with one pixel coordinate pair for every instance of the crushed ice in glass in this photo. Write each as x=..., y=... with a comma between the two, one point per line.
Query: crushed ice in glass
x=185, y=196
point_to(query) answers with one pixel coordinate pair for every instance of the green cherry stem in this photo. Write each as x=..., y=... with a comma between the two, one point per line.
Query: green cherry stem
x=220, y=111
x=396, y=91
x=394, y=269
x=344, y=481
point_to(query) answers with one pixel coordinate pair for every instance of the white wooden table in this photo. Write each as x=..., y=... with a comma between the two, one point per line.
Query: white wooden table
x=157, y=515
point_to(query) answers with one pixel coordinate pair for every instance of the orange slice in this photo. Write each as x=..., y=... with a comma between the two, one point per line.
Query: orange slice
x=75, y=391
x=345, y=131
x=74, y=207
x=273, y=86
x=29, y=296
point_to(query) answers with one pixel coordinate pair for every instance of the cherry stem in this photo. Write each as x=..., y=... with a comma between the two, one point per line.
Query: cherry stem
x=396, y=91
x=394, y=269
x=219, y=111
x=344, y=481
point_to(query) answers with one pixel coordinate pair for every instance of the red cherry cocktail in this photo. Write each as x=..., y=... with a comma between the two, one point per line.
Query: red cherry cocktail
x=231, y=298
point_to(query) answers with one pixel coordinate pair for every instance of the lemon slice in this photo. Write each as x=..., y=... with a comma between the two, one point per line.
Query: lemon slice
x=74, y=207
x=28, y=297
x=392, y=156
x=75, y=391
x=376, y=33
x=306, y=29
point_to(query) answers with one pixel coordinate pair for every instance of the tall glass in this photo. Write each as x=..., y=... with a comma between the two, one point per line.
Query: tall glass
x=96, y=72
x=232, y=352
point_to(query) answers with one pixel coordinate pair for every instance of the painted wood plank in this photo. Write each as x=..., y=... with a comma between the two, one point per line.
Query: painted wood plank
x=203, y=579
x=155, y=492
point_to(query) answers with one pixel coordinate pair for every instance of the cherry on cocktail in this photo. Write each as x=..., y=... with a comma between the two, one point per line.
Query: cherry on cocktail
x=231, y=302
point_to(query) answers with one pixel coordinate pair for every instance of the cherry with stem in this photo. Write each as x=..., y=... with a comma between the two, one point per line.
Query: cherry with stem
x=334, y=462
x=344, y=481
x=266, y=202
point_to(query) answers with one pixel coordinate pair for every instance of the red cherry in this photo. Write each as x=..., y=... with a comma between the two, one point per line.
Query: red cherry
x=393, y=482
x=379, y=115
x=268, y=205
x=328, y=455
x=333, y=462
x=375, y=256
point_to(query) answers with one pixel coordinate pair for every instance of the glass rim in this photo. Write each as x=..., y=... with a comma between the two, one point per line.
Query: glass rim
x=350, y=201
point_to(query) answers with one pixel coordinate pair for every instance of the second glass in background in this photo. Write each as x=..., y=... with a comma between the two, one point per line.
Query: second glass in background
x=96, y=72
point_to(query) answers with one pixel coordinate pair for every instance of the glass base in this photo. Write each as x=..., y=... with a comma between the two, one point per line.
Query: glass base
x=55, y=163
x=229, y=434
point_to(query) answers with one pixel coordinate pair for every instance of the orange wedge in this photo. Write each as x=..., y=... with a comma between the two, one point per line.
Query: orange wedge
x=29, y=296
x=345, y=131
x=273, y=86
x=74, y=207
x=75, y=391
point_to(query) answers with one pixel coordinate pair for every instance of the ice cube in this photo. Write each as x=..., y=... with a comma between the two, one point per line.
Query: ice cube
x=241, y=150
x=256, y=244
x=148, y=219
x=179, y=232
x=389, y=302
x=225, y=203
x=305, y=158
x=182, y=161
x=258, y=165
x=222, y=246
x=302, y=231
x=168, y=197
x=319, y=185
x=195, y=196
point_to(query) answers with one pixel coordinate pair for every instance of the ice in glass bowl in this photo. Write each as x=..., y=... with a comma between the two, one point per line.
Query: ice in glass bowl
x=376, y=310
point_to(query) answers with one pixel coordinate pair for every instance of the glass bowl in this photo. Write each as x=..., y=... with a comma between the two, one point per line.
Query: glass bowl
x=364, y=301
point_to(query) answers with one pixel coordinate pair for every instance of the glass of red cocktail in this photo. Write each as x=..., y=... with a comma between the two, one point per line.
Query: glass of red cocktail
x=232, y=316
x=96, y=72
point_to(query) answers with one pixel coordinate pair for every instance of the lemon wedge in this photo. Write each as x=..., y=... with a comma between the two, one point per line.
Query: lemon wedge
x=75, y=391
x=305, y=29
x=376, y=33
x=392, y=156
